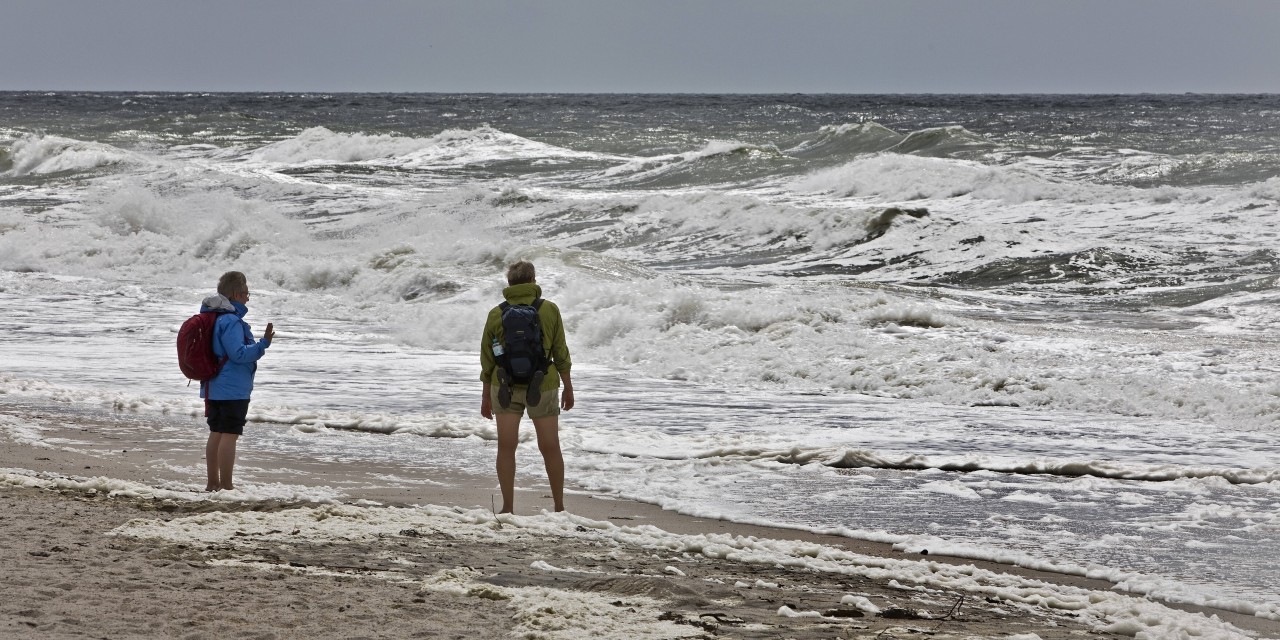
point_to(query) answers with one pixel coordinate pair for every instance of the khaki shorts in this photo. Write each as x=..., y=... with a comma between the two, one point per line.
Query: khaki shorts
x=549, y=405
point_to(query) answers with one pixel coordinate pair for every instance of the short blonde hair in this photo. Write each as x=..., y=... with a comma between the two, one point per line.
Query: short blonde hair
x=233, y=283
x=520, y=273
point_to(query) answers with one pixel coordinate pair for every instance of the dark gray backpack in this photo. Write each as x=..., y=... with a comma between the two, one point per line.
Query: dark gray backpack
x=522, y=341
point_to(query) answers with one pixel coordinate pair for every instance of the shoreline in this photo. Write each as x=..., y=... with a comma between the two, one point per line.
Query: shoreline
x=118, y=461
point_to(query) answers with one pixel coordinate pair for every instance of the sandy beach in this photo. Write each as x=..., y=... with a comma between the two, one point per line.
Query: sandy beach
x=104, y=542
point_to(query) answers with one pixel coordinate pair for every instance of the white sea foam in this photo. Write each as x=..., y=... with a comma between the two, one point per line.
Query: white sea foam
x=114, y=487
x=460, y=147
x=897, y=177
x=1269, y=189
x=321, y=145
x=660, y=327
x=861, y=603
x=341, y=523
x=559, y=614
x=453, y=147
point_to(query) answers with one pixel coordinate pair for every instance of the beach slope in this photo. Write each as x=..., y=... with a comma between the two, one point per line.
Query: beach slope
x=101, y=542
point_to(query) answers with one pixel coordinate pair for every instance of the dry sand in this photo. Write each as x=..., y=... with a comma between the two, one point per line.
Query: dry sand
x=78, y=563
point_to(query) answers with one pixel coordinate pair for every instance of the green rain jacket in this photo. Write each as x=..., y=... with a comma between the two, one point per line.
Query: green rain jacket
x=552, y=336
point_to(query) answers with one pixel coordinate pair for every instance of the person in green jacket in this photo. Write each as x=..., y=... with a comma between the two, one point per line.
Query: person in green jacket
x=545, y=412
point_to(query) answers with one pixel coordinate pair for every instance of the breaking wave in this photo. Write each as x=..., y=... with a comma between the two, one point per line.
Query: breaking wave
x=48, y=154
x=943, y=142
x=718, y=162
x=449, y=148
x=842, y=141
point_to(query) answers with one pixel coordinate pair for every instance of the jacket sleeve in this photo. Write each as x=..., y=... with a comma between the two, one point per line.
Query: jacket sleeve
x=231, y=339
x=560, y=348
x=487, y=362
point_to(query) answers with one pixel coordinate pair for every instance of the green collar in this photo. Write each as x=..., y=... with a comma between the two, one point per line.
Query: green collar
x=522, y=293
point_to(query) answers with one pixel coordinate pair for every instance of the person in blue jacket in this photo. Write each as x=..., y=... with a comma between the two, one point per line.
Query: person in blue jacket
x=227, y=394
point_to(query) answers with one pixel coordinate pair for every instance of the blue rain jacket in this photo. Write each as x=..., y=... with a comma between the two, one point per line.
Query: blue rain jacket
x=233, y=340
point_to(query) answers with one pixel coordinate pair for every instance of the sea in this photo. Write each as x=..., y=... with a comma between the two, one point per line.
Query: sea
x=1035, y=329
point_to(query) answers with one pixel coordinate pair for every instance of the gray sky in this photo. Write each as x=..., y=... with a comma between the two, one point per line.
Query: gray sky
x=803, y=46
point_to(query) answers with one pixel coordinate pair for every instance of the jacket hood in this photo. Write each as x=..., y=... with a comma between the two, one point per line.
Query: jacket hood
x=217, y=302
x=522, y=293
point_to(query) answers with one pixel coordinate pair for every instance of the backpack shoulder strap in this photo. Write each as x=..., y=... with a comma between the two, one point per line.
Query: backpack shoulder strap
x=537, y=303
x=504, y=306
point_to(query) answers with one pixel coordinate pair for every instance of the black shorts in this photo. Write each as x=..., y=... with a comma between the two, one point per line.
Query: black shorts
x=227, y=416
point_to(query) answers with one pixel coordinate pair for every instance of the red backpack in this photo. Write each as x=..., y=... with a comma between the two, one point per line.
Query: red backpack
x=195, y=347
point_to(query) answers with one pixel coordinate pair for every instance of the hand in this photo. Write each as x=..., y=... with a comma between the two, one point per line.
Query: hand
x=269, y=333
x=486, y=407
x=566, y=398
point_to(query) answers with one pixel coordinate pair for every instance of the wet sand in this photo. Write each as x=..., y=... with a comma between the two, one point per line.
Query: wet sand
x=80, y=562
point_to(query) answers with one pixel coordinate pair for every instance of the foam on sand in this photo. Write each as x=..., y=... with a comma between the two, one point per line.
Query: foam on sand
x=1106, y=611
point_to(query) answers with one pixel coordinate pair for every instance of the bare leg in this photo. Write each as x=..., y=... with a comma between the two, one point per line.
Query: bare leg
x=549, y=444
x=226, y=459
x=211, y=461
x=508, y=438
